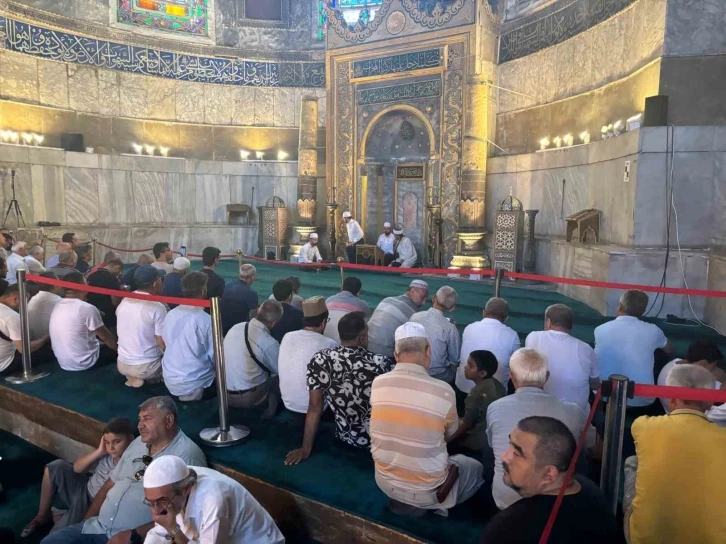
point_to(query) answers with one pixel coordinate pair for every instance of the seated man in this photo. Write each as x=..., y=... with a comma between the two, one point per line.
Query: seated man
x=118, y=512
x=385, y=243
x=391, y=313
x=188, y=363
x=34, y=260
x=210, y=260
x=163, y=255
x=11, y=344
x=239, y=300
x=107, y=258
x=140, y=345
x=442, y=334
x=310, y=253
x=404, y=252
x=85, y=255
x=75, y=328
x=16, y=260
x=296, y=351
x=197, y=504
x=355, y=236
x=292, y=318
x=60, y=247
x=341, y=378
x=674, y=484
x=41, y=306
x=106, y=277
x=297, y=300
x=412, y=416
x=535, y=463
x=172, y=286
x=571, y=362
x=343, y=303
x=67, y=262
x=77, y=484
x=128, y=276
x=251, y=355
x=529, y=375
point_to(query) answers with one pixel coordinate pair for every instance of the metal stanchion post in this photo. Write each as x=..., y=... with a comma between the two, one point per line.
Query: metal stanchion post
x=27, y=375
x=342, y=271
x=93, y=252
x=225, y=434
x=613, y=444
x=43, y=243
x=239, y=257
x=498, y=277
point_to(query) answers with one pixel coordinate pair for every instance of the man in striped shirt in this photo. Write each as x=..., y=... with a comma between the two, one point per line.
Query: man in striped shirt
x=412, y=417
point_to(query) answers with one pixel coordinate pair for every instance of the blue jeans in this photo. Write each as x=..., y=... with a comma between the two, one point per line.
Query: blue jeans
x=73, y=535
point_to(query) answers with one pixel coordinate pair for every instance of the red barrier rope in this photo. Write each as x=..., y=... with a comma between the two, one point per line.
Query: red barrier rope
x=570, y=471
x=681, y=393
x=285, y=263
x=121, y=294
x=399, y=270
x=122, y=249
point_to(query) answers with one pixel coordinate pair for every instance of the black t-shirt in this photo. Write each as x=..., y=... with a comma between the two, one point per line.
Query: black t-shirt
x=104, y=278
x=215, y=283
x=583, y=518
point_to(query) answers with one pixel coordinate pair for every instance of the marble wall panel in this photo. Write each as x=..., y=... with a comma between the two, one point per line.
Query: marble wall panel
x=227, y=239
x=116, y=197
x=264, y=107
x=322, y=106
x=116, y=237
x=715, y=310
x=509, y=79
x=180, y=198
x=286, y=102
x=149, y=190
x=147, y=236
x=548, y=69
x=133, y=97
x=19, y=76
x=218, y=105
x=212, y=195
x=52, y=182
x=693, y=196
x=695, y=28
x=83, y=88
x=582, y=59
x=650, y=200
x=161, y=95
x=652, y=15
x=189, y=102
x=719, y=197
x=53, y=84
x=244, y=106
x=565, y=59
x=81, y=194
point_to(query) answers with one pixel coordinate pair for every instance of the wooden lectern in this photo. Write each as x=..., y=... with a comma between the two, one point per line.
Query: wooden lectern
x=366, y=254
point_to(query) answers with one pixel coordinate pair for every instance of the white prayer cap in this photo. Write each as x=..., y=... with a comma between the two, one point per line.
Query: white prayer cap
x=398, y=228
x=181, y=263
x=313, y=235
x=419, y=284
x=386, y=225
x=166, y=470
x=347, y=214
x=407, y=330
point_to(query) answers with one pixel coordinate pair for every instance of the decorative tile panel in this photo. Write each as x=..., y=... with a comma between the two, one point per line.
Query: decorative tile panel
x=190, y=17
x=395, y=93
x=395, y=64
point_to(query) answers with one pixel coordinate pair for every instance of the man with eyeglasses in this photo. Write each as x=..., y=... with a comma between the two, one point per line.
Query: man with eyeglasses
x=197, y=504
x=117, y=514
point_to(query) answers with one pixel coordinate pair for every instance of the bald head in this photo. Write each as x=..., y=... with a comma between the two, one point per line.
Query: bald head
x=145, y=259
x=497, y=308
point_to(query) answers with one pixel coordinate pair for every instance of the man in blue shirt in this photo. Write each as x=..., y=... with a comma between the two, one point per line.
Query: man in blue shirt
x=239, y=299
x=292, y=318
x=173, y=282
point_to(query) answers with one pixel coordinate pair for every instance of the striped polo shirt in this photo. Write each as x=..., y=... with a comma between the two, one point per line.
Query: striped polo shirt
x=411, y=415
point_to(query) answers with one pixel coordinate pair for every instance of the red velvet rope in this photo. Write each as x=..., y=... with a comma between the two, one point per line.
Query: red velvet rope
x=681, y=393
x=285, y=263
x=399, y=270
x=121, y=294
x=122, y=249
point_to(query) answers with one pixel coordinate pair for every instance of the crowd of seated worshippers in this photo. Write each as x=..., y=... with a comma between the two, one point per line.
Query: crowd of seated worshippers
x=390, y=383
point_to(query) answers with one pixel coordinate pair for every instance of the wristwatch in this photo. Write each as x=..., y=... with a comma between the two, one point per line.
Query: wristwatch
x=135, y=537
x=172, y=534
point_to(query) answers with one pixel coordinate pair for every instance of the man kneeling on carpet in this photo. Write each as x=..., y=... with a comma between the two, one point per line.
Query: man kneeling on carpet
x=75, y=484
x=197, y=504
x=117, y=514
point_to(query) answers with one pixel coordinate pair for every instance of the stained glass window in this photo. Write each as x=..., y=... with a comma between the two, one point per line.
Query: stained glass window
x=354, y=11
x=177, y=16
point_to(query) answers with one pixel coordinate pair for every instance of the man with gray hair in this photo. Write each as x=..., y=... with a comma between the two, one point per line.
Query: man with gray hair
x=391, y=313
x=572, y=363
x=627, y=346
x=412, y=417
x=34, y=260
x=66, y=264
x=529, y=374
x=251, y=355
x=239, y=300
x=673, y=490
x=118, y=513
x=490, y=334
x=15, y=261
x=442, y=333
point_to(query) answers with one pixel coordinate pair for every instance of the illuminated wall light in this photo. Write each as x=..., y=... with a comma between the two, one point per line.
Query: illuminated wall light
x=14, y=137
x=585, y=137
x=557, y=141
x=634, y=122
x=138, y=149
x=604, y=132
x=27, y=138
x=543, y=143
x=260, y=154
x=149, y=149
x=617, y=127
x=244, y=154
x=38, y=139
x=164, y=151
x=5, y=135
x=281, y=155
x=568, y=140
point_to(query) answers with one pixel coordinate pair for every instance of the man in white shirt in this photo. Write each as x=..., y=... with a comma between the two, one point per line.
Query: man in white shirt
x=16, y=260
x=11, y=345
x=74, y=326
x=34, y=260
x=310, y=253
x=572, y=363
x=197, y=504
x=252, y=374
x=404, y=252
x=492, y=335
x=355, y=236
x=163, y=256
x=627, y=346
x=386, y=242
x=60, y=247
x=296, y=351
x=41, y=306
x=188, y=363
x=140, y=345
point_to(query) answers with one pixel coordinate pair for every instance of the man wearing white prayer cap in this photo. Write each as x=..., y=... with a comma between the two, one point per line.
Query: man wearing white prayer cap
x=404, y=251
x=310, y=253
x=385, y=243
x=355, y=235
x=392, y=312
x=201, y=505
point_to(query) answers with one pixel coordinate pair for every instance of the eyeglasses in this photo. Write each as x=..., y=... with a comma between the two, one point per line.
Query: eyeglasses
x=327, y=320
x=146, y=459
x=161, y=504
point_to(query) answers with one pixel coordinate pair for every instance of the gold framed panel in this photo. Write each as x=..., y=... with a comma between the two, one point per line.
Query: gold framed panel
x=444, y=51
x=411, y=165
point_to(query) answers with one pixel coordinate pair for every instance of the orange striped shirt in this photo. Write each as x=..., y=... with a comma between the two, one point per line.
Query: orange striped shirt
x=411, y=414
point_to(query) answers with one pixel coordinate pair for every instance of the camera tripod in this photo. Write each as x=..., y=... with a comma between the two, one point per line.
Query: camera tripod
x=14, y=206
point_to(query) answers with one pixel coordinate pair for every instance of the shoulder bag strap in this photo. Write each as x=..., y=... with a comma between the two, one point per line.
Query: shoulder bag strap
x=249, y=349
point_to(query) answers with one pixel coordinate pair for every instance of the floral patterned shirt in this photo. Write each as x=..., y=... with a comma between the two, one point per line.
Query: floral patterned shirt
x=345, y=375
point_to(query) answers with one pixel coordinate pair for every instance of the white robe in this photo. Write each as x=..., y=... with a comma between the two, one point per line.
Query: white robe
x=407, y=255
x=309, y=254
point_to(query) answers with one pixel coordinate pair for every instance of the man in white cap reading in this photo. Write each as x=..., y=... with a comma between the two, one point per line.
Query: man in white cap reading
x=404, y=252
x=385, y=243
x=197, y=504
x=310, y=253
x=355, y=235
x=393, y=312
x=412, y=417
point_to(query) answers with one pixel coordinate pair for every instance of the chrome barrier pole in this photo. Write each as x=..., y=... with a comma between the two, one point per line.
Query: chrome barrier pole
x=28, y=375
x=342, y=271
x=93, y=251
x=239, y=257
x=225, y=434
x=613, y=444
x=498, y=277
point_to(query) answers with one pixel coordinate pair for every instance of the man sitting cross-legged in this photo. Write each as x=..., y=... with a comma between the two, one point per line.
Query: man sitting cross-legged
x=341, y=377
x=187, y=333
x=77, y=484
x=11, y=344
x=118, y=514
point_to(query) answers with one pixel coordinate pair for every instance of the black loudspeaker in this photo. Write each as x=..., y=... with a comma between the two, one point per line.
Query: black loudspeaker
x=656, y=111
x=72, y=142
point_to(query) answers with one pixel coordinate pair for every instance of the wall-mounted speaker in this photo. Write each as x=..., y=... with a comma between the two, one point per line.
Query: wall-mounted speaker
x=656, y=111
x=71, y=141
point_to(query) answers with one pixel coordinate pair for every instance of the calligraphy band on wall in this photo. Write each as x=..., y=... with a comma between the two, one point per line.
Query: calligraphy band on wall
x=396, y=64
x=411, y=172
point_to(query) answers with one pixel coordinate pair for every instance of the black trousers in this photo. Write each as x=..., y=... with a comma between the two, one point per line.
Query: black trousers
x=351, y=250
